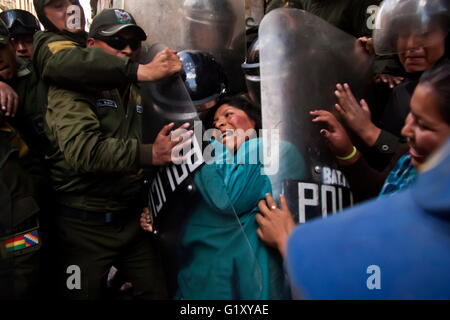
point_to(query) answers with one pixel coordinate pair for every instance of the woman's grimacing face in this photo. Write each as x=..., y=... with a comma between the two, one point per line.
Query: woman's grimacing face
x=418, y=53
x=232, y=123
x=425, y=129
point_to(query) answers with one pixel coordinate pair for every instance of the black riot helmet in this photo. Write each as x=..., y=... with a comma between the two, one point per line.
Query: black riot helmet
x=20, y=22
x=204, y=78
x=202, y=83
x=251, y=71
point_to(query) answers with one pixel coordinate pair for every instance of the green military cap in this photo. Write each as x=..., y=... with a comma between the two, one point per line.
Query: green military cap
x=4, y=33
x=111, y=21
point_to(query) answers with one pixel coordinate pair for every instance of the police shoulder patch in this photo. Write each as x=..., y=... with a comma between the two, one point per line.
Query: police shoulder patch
x=57, y=46
x=101, y=103
x=139, y=109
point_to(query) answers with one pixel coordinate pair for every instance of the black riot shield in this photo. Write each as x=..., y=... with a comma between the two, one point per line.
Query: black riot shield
x=207, y=253
x=302, y=58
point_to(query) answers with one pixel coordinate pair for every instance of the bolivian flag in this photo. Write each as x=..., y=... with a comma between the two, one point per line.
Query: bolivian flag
x=23, y=241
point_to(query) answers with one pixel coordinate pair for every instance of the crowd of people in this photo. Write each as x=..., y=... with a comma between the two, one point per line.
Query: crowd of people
x=78, y=165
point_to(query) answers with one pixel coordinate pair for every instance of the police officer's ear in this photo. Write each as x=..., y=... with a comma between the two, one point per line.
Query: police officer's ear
x=90, y=42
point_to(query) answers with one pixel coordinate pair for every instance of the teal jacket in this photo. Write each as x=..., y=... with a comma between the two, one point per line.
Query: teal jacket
x=222, y=254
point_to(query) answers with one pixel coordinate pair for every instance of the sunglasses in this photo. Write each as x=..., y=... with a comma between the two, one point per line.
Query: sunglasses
x=119, y=43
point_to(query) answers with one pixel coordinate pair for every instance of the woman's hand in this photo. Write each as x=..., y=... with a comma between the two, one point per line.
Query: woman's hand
x=146, y=220
x=356, y=114
x=275, y=224
x=335, y=134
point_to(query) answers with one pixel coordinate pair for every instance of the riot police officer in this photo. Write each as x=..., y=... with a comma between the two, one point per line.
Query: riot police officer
x=95, y=163
x=22, y=25
x=61, y=55
x=20, y=234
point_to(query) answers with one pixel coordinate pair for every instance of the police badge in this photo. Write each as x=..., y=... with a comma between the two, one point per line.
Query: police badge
x=123, y=17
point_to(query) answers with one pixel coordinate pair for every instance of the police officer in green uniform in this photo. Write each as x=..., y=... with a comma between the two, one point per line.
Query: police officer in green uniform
x=96, y=171
x=28, y=113
x=23, y=97
x=61, y=57
x=22, y=25
x=19, y=227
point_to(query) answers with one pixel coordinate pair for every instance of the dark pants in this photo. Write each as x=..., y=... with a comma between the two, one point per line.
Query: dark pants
x=88, y=249
x=19, y=275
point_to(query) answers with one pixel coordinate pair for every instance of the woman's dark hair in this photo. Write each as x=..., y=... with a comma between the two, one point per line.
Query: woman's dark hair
x=242, y=102
x=438, y=78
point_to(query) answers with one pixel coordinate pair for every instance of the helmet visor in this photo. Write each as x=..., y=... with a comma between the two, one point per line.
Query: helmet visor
x=403, y=25
x=11, y=17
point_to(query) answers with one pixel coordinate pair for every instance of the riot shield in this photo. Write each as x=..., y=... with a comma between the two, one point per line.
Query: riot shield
x=400, y=23
x=251, y=71
x=302, y=58
x=207, y=254
x=218, y=27
x=214, y=26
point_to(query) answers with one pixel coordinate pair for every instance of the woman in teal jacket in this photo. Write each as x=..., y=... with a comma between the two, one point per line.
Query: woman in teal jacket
x=223, y=258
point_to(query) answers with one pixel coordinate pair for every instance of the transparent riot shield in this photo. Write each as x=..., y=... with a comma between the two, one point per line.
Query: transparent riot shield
x=302, y=58
x=403, y=25
x=218, y=27
x=214, y=26
x=160, y=19
x=207, y=253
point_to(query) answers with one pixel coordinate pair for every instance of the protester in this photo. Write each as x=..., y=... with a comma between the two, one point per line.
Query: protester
x=212, y=237
x=417, y=52
x=391, y=248
x=426, y=129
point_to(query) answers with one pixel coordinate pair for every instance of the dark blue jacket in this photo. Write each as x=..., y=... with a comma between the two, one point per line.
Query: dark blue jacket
x=406, y=236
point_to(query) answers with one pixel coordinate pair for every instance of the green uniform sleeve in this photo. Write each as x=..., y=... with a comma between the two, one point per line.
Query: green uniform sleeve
x=69, y=65
x=76, y=131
